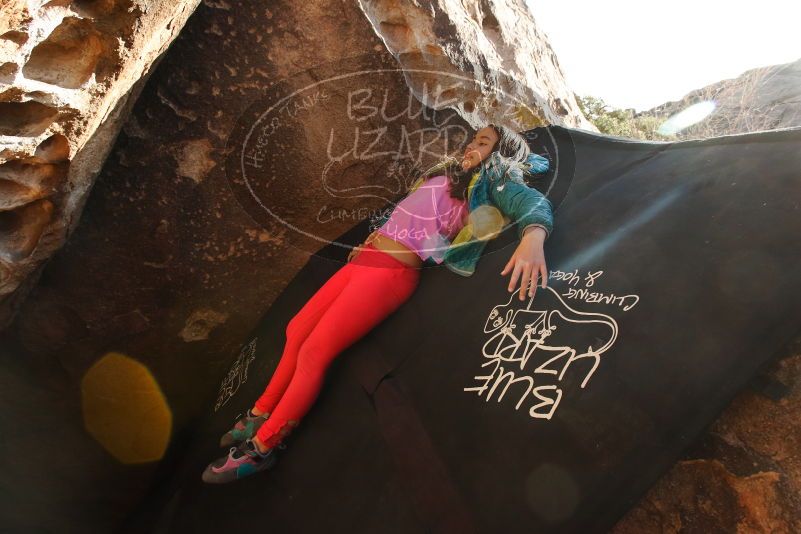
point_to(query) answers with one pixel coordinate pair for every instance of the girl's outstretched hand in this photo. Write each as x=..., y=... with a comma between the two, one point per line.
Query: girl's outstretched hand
x=528, y=260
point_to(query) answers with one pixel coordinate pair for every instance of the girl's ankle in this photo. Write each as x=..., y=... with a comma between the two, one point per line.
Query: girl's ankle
x=260, y=446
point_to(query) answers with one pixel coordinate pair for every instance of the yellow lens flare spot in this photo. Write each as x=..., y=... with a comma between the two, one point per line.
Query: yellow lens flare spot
x=125, y=410
x=486, y=222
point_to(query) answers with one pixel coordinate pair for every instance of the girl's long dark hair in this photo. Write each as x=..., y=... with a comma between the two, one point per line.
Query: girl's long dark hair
x=510, y=144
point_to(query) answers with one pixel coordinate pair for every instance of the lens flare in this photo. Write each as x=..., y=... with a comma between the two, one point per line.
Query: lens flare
x=686, y=117
x=487, y=222
x=125, y=410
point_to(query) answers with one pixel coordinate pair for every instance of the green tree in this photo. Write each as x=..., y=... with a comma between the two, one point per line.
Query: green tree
x=621, y=122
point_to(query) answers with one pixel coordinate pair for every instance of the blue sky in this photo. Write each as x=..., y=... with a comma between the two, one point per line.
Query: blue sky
x=640, y=54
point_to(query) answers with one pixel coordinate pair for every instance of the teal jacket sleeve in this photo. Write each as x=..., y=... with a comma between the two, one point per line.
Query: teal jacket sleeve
x=523, y=205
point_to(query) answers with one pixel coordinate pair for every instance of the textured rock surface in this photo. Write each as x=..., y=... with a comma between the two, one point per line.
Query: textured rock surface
x=765, y=98
x=744, y=475
x=497, y=43
x=68, y=72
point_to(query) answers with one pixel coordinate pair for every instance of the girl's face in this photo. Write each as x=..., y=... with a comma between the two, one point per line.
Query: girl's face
x=479, y=148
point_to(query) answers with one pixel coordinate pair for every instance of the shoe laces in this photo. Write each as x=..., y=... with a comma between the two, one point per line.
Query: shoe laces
x=244, y=449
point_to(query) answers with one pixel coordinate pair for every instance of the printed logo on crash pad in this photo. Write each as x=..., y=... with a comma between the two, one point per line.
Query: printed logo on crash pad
x=548, y=344
x=237, y=375
x=333, y=146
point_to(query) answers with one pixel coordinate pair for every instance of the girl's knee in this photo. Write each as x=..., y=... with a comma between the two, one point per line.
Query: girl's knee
x=293, y=326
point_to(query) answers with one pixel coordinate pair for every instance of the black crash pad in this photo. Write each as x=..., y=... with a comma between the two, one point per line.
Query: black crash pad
x=674, y=278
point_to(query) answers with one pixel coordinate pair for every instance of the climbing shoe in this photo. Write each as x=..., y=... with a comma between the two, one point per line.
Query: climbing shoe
x=245, y=428
x=241, y=461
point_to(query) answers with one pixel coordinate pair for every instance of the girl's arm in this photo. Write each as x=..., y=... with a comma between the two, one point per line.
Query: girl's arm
x=523, y=205
x=533, y=214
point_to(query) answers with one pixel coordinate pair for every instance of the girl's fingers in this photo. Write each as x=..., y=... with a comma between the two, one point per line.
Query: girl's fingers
x=515, y=274
x=525, y=281
x=508, y=263
x=544, y=273
x=533, y=289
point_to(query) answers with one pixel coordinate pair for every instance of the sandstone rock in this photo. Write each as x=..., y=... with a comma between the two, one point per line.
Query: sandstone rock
x=744, y=475
x=194, y=159
x=69, y=72
x=497, y=43
x=201, y=323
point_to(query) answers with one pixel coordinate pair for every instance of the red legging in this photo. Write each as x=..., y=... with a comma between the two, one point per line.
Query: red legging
x=360, y=295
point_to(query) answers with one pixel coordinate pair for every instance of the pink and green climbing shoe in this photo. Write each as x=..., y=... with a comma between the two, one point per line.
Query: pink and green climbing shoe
x=241, y=461
x=244, y=429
